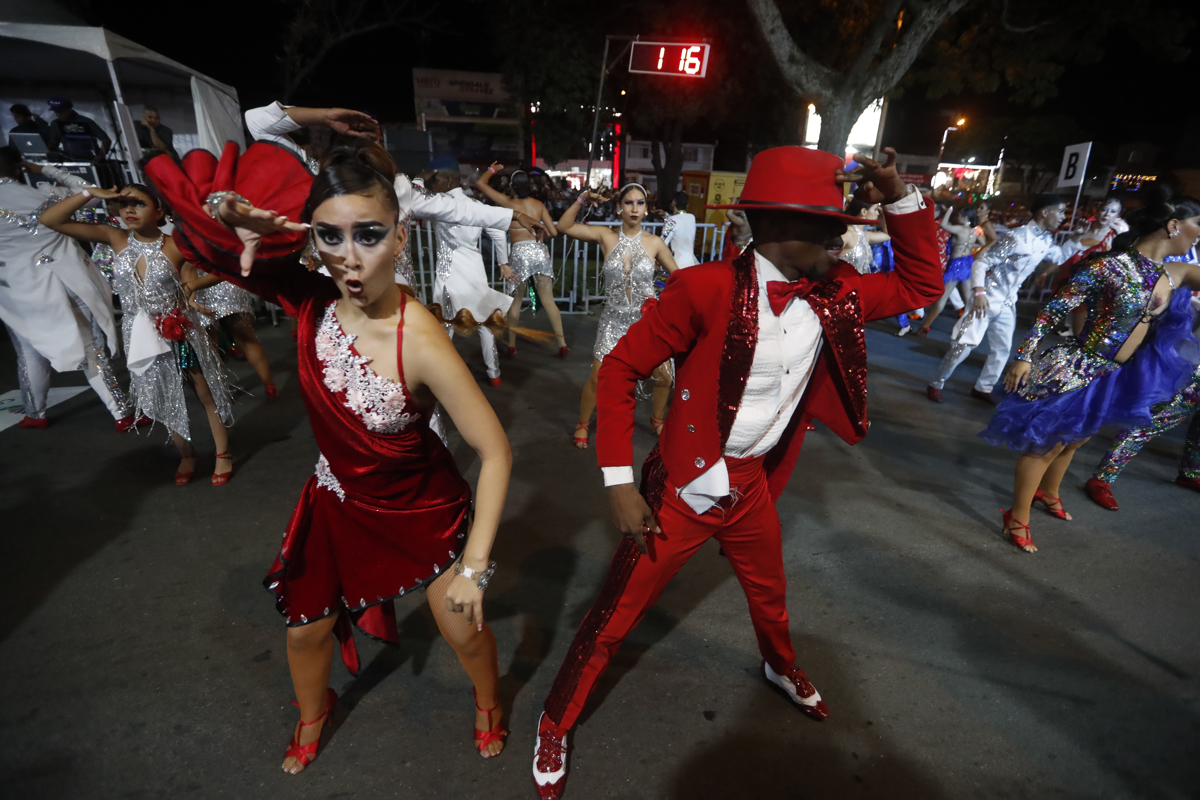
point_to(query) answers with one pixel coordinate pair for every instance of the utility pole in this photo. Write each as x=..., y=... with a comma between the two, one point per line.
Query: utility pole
x=604, y=68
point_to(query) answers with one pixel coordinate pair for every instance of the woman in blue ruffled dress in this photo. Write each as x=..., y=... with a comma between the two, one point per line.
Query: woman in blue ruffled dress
x=1135, y=350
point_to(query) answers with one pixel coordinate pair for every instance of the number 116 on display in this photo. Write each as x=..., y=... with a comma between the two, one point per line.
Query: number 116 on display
x=681, y=59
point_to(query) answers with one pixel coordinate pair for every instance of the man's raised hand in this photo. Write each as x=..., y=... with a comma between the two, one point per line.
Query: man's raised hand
x=877, y=183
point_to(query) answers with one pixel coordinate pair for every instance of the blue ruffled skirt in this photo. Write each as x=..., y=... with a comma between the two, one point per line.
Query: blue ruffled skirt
x=1122, y=397
x=959, y=269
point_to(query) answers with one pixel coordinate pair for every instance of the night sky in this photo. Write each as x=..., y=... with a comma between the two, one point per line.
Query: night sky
x=1124, y=98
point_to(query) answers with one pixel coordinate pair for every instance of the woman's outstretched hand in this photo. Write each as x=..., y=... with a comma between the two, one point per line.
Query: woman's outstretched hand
x=251, y=224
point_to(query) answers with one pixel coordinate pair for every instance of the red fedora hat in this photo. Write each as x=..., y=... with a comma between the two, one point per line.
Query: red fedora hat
x=795, y=179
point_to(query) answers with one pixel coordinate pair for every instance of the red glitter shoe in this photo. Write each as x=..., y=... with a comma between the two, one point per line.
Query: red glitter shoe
x=1101, y=494
x=306, y=753
x=1023, y=542
x=799, y=690
x=1050, y=502
x=1188, y=483
x=550, y=759
x=492, y=734
x=34, y=423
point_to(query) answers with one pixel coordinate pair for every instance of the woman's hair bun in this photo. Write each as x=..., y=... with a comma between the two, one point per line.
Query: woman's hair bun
x=367, y=152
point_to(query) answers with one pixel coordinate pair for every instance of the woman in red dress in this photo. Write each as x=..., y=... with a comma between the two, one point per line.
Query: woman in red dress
x=386, y=512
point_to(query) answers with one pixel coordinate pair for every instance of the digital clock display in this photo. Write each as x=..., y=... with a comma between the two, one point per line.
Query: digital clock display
x=682, y=59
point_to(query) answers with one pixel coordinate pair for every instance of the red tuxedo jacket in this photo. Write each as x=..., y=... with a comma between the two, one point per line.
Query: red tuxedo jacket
x=707, y=320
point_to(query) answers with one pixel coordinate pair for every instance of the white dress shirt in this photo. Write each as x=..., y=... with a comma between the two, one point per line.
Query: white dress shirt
x=784, y=359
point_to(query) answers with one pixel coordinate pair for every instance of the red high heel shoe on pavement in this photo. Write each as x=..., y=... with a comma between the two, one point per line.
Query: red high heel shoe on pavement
x=562, y=351
x=182, y=478
x=512, y=352
x=1024, y=542
x=271, y=392
x=36, y=423
x=493, y=733
x=1050, y=503
x=582, y=441
x=222, y=478
x=305, y=753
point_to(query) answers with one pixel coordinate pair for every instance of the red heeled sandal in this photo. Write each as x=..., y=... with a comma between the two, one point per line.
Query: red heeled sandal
x=582, y=441
x=657, y=424
x=1023, y=542
x=182, y=478
x=305, y=753
x=222, y=478
x=1049, y=502
x=492, y=734
x=271, y=392
x=562, y=351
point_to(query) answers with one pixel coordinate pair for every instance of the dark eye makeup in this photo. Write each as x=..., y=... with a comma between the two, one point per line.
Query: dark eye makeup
x=367, y=234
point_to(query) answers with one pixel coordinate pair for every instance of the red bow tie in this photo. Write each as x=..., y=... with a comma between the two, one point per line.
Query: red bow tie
x=780, y=292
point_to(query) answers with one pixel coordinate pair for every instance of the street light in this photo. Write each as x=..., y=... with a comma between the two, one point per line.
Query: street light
x=946, y=133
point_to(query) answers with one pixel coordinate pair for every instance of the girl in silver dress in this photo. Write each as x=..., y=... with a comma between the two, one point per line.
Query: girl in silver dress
x=629, y=258
x=233, y=310
x=166, y=343
x=528, y=257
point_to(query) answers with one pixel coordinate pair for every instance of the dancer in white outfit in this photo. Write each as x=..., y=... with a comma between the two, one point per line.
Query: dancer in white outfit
x=54, y=301
x=461, y=284
x=679, y=232
x=996, y=278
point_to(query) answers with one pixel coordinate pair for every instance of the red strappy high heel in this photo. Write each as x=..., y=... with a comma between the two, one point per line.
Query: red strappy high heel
x=1049, y=502
x=182, y=478
x=1023, y=542
x=305, y=753
x=222, y=478
x=657, y=424
x=492, y=734
x=582, y=441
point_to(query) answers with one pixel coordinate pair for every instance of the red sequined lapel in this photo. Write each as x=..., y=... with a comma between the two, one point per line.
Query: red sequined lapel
x=741, y=337
x=842, y=320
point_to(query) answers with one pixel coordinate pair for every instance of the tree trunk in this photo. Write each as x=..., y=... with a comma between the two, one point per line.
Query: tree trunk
x=837, y=118
x=668, y=171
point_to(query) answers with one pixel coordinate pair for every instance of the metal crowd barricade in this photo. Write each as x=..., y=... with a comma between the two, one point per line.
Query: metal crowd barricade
x=578, y=279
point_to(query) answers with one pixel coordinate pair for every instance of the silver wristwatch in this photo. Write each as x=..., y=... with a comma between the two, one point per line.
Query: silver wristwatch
x=481, y=578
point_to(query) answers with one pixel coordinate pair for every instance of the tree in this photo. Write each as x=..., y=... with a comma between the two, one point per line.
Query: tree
x=852, y=58
x=319, y=26
x=1023, y=46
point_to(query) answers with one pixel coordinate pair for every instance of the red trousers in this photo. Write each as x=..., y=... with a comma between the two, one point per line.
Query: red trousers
x=747, y=528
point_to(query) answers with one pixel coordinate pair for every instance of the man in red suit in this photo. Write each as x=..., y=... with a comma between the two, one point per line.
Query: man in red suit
x=763, y=344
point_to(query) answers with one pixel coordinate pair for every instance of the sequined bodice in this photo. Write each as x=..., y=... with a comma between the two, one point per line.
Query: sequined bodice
x=378, y=401
x=860, y=256
x=159, y=292
x=628, y=272
x=1116, y=289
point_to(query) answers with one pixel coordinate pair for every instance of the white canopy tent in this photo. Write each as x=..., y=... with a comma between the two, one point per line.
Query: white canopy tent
x=104, y=75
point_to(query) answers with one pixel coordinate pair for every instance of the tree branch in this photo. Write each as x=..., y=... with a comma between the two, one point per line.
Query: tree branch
x=896, y=63
x=802, y=72
x=869, y=49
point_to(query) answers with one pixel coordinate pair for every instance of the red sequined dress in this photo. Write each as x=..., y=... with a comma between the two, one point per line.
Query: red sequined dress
x=386, y=510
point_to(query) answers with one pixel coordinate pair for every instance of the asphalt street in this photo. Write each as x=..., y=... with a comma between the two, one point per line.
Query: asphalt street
x=140, y=656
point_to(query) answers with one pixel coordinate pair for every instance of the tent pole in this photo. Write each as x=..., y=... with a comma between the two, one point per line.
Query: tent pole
x=132, y=167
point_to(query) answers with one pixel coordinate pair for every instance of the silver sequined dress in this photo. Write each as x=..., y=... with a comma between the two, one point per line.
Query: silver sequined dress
x=526, y=259
x=225, y=299
x=158, y=391
x=628, y=283
x=860, y=255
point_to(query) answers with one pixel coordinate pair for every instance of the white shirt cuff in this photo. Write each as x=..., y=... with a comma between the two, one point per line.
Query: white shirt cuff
x=615, y=476
x=912, y=201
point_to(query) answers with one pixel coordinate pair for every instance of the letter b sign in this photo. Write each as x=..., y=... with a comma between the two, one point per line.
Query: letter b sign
x=1074, y=165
